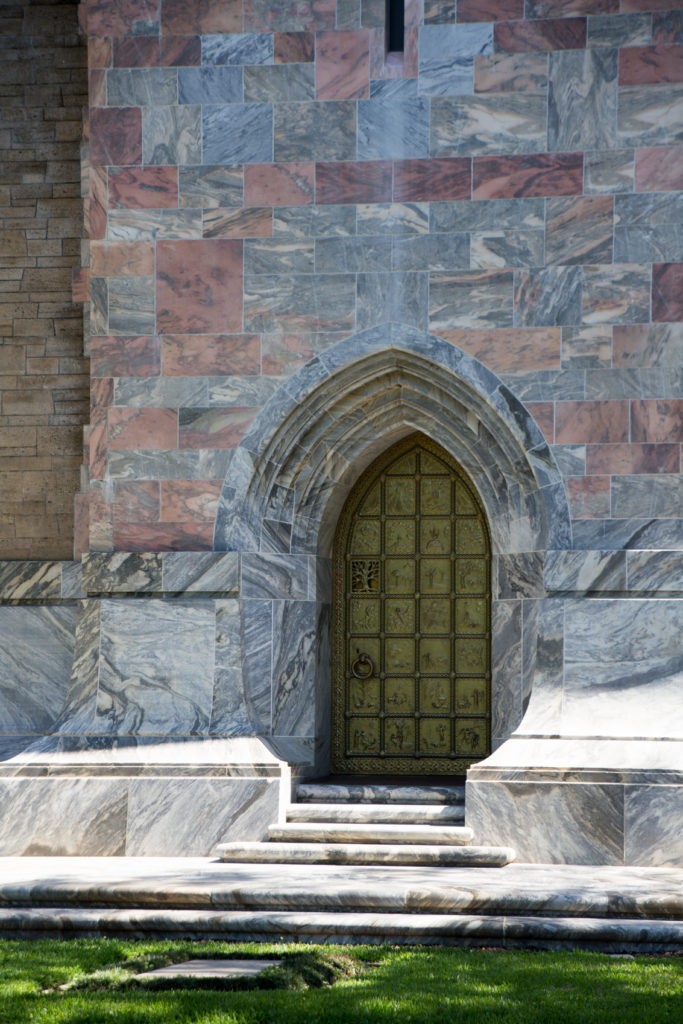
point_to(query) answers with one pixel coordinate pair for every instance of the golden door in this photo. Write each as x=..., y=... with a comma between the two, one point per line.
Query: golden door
x=412, y=609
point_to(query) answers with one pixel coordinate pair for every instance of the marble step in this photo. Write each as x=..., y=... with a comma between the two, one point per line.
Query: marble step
x=365, y=853
x=343, y=832
x=634, y=935
x=321, y=792
x=413, y=814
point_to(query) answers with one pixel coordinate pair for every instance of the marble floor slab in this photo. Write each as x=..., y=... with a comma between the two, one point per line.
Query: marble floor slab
x=612, y=910
x=200, y=882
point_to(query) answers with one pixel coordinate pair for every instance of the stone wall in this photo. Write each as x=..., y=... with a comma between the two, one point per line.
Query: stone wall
x=263, y=183
x=43, y=375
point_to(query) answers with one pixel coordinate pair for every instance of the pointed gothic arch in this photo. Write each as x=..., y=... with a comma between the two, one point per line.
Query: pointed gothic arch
x=298, y=462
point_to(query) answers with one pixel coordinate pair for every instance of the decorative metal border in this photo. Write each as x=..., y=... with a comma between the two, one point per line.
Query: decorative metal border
x=340, y=762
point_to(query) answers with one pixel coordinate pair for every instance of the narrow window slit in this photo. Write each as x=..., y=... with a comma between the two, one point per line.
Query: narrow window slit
x=395, y=26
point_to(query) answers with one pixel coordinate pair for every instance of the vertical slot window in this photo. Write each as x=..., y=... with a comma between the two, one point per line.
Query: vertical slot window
x=395, y=25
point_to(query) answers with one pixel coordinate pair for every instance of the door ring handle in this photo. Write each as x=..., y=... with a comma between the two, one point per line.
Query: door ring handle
x=362, y=667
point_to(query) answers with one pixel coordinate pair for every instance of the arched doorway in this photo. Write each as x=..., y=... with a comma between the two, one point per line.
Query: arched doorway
x=411, y=686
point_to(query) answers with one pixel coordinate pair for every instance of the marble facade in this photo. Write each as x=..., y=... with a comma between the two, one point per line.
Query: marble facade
x=299, y=252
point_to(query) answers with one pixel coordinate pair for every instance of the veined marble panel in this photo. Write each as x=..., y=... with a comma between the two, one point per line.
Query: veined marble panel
x=238, y=49
x=655, y=534
x=543, y=666
x=550, y=823
x=30, y=580
x=203, y=464
x=162, y=392
x=393, y=128
x=235, y=711
x=187, y=817
x=146, y=685
x=488, y=215
x=141, y=87
x=654, y=570
x=307, y=222
x=172, y=135
x=652, y=825
x=582, y=102
x=275, y=576
x=446, y=62
x=63, y=817
x=200, y=572
x=585, y=571
x=257, y=657
x=395, y=219
x=650, y=116
x=122, y=572
x=653, y=496
x=36, y=654
x=623, y=668
x=294, y=667
x=236, y=133
x=483, y=125
x=506, y=668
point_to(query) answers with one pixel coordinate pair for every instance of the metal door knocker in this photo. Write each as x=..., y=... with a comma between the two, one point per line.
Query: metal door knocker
x=362, y=667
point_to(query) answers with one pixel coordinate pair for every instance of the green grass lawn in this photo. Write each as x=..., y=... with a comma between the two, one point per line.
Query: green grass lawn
x=89, y=982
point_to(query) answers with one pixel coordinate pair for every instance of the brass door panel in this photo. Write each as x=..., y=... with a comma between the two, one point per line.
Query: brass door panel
x=412, y=611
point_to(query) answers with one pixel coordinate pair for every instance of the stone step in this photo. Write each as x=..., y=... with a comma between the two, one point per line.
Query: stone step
x=321, y=792
x=634, y=935
x=414, y=814
x=343, y=832
x=365, y=853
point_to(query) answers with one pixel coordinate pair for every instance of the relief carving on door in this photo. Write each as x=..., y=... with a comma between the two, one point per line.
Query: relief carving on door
x=412, y=609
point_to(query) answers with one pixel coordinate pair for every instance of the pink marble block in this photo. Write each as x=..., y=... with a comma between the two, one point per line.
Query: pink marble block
x=596, y=421
x=163, y=537
x=152, y=51
x=589, y=497
x=199, y=286
x=544, y=415
x=432, y=180
x=490, y=10
x=543, y=34
x=143, y=188
x=643, y=6
x=142, y=429
x=104, y=18
x=510, y=349
x=199, y=355
x=629, y=459
x=99, y=52
x=650, y=65
x=182, y=17
x=567, y=8
x=657, y=420
x=189, y=500
x=116, y=135
x=342, y=65
x=659, y=169
x=101, y=398
x=95, y=203
x=121, y=259
x=534, y=174
x=279, y=184
x=349, y=182
x=667, y=292
x=293, y=47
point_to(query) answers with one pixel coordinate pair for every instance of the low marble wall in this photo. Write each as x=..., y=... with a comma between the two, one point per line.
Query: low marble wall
x=136, y=817
x=594, y=772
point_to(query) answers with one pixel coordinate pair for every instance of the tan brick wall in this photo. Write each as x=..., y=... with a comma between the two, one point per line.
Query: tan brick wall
x=43, y=375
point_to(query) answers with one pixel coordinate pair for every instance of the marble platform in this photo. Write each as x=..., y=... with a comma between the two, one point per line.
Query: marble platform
x=610, y=909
